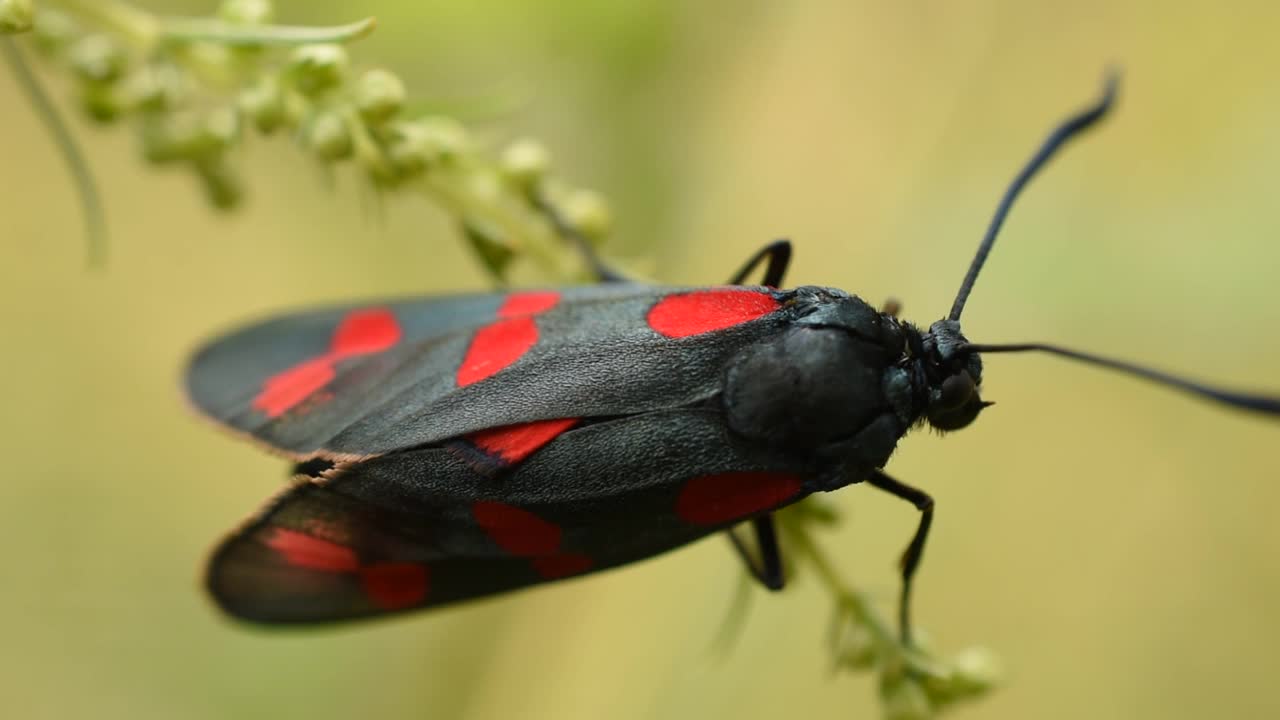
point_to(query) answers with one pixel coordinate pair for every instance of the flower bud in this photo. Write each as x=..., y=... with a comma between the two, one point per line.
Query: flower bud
x=854, y=646
x=100, y=102
x=415, y=146
x=247, y=12
x=329, y=136
x=54, y=30
x=319, y=67
x=263, y=104
x=379, y=94
x=904, y=699
x=975, y=671
x=157, y=87
x=490, y=247
x=588, y=213
x=525, y=162
x=16, y=16
x=222, y=187
x=97, y=58
x=168, y=138
x=220, y=129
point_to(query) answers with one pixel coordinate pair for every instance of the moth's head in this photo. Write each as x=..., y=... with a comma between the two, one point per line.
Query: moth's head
x=954, y=377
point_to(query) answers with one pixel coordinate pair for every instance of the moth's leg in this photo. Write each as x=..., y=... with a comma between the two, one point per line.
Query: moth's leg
x=767, y=568
x=778, y=253
x=911, y=556
x=580, y=243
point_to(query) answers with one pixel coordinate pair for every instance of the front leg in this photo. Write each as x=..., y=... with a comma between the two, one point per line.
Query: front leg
x=911, y=556
x=778, y=257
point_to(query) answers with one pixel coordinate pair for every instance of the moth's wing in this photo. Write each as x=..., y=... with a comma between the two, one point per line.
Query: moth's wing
x=268, y=378
x=420, y=529
x=315, y=555
x=358, y=382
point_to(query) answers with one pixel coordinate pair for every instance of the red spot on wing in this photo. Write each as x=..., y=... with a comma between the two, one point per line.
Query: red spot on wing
x=495, y=347
x=390, y=586
x=514, y=443
x=528, y=303
x=286, y=390
x=393, y=586
x=517, y=531
x=725, y=497
x=499, y=344
x=365, y=331
x=563, y=565
x=302, y=550
x=361, y=332
x=522, y=533
x=694, y=313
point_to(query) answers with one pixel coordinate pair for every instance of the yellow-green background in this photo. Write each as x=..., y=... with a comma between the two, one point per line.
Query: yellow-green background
x=1115, y=543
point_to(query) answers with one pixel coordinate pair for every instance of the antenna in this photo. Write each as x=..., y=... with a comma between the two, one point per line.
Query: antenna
x=1242, y=401
x=1070, y=128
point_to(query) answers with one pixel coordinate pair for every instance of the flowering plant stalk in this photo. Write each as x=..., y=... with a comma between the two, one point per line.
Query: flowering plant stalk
x=192, y=89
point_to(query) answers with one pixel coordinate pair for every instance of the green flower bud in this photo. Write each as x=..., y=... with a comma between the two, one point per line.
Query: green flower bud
x=588, y=213
x=485, y=187
x=414, y=146
x=158, y=87
x=854, y=646
x=220, y=129
x=525, y=162
x=247, y=12
x=100, y=102
x=407, y=148
x=447, y=136
x=904, y=699
x=16, y=16
x=221, y=185
x=975, y=671
x=97, y=58
x=379, y=94
x=263, y=103
x=329, y=136
x=492, y=249
x=190, y=137
x=169, y=138
x=316, y=68
x=54, y=30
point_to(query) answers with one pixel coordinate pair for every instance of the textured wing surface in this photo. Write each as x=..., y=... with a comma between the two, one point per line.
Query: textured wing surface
x=366, y=380
x=421, y=528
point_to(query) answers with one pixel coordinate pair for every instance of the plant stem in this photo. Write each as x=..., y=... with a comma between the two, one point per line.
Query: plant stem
x=138, y=26
x=86, y=187
x=223, y=33
x=799, y=538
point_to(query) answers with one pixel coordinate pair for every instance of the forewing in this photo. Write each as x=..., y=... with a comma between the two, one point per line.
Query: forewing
x=364, y=381
x=421, y=528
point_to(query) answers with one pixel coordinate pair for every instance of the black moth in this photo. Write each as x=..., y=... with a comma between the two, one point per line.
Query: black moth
x=453, y=447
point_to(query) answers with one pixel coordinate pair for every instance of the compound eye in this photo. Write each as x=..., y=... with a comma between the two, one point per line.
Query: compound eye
x=955, y=391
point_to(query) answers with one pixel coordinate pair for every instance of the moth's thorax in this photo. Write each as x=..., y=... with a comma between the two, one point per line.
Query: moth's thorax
x=821, y=385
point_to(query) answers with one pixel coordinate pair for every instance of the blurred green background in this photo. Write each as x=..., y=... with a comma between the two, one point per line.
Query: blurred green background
x=1115, y=543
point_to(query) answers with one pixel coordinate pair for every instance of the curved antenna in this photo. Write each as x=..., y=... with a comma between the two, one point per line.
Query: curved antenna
x=1059, y=137
x=1241, y=401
